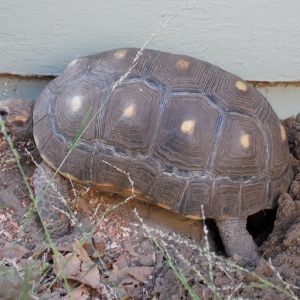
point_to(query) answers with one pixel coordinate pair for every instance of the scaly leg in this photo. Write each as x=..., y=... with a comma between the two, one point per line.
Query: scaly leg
x=236, y=239
x=56, y=222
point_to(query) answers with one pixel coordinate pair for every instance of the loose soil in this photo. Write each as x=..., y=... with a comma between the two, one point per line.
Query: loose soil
x=131, y=243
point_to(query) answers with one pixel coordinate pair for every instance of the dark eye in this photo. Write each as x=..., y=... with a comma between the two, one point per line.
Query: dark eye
x=18, y=123
x=3, y=113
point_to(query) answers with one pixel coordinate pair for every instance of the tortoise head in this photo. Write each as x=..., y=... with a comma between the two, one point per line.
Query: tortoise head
x=17, y=116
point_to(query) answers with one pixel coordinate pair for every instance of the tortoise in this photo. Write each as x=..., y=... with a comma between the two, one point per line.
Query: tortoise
x=189, y=134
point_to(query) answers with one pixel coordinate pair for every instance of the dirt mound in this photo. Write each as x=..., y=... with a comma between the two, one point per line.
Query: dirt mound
x=138, y=266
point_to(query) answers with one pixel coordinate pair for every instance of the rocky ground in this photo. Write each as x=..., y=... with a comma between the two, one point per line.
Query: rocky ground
x=138, y=250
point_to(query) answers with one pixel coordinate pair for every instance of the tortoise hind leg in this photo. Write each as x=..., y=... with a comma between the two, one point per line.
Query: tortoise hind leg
x=56, y=222
x=236, y=239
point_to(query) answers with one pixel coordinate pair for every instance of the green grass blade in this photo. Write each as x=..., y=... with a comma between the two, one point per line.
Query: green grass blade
x=82, y=127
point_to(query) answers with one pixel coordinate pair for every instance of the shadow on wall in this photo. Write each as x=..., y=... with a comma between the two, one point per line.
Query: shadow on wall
x=27, y=87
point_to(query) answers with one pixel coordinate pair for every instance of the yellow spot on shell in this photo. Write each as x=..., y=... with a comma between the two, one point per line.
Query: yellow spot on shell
x=188, y=126
x=245, y=140
x=194, y=217
x=182, y=64
x=241, y=86
x=283, y=133
x=120, y=54
x=130, y=111
x=76, y=103
x=164, y=205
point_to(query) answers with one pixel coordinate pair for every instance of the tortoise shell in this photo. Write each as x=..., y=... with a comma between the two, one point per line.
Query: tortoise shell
x=187, y=132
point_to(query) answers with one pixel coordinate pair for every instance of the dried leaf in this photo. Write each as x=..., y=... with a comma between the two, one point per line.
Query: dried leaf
x=46, y=253
x=109, y=266
x=88, y=248
x=140, y=273
x=99, y=245
x=83, y=205
x=81, y=293
x=81, y=253
x=122, y=262
x=116, y=274
x=79, y=267
x=121, y=276
x=130, y=275
x=52, y=295
x=129, y=280
x=128, y=247
x=65, y=248
x=11, y=251
x=42, y=253
x=121, y=292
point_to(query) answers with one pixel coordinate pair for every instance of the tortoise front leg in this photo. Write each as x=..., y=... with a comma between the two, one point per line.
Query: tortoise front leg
x=236, y=239
x=55, y=220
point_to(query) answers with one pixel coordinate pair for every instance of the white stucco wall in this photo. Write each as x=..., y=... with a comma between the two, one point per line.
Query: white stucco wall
x=285, y=99
x=257, y=40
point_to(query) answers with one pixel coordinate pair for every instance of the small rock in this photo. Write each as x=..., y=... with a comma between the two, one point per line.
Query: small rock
x=145, y=246
x=204, y=264
x=157, y=280
x=159, y=258
x=295, y=189
x=236, y=257
x=239, y=275
x=188, y=254
x=219, y=281
x=146, y=261
x=263, y=268
x=292, y=236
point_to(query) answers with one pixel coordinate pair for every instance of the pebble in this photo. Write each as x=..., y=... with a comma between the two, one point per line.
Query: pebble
x=188, y=254
x=146, y=261
x=204, y=264
x=157, y=280
x=239, y=275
